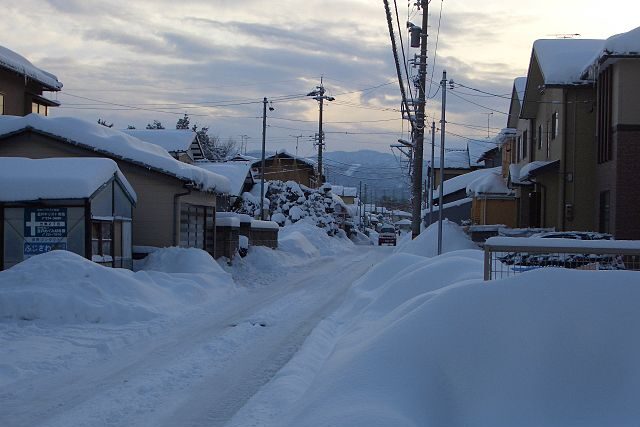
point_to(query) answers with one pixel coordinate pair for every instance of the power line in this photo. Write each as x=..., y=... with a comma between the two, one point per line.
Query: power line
x=435, y=53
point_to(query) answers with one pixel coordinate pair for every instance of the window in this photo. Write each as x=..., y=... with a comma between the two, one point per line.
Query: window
x=539, y=136
x=39, y=109
x=555, y=122
x=605, y=199
x=604, y=121
x=525, y=147
x=101, y=238
x=548, y=141
x=1, y=103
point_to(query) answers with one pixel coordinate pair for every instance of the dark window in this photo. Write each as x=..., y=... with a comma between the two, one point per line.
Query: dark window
x=101, y=239
x=605, y=203
x=525, y=147
x=539, y=137
x=548, y=140
x=603, y=130
x=555, y=122
x=196, y=227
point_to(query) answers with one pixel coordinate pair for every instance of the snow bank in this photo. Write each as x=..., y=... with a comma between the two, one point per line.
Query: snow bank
x=62, y=287
x=426, y=343
x=426, y=244
x=181, y=260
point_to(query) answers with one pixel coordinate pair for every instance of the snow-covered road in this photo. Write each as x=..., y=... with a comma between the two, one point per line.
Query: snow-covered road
x=197, y=370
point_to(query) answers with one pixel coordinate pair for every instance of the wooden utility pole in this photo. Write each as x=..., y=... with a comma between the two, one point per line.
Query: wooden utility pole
x=416, y=206
x=319, y=95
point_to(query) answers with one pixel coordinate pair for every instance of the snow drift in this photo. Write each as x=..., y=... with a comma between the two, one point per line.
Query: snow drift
x=425, y=342
x=426, y=244
x=62, y=287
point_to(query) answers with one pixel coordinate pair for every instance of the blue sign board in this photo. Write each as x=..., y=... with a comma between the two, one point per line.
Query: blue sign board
x=45, y=229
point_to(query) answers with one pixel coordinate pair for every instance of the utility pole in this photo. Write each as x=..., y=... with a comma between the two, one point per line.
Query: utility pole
x=416, y=209
x=443, y=122
x=364, y=206
x=432, y=173
x=488, y=123
x=264, y=140
x=297, y=137
x=243, y=143
x=360, y=205
x=319, y=95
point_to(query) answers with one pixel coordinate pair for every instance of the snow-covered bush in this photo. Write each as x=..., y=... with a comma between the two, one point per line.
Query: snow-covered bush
x=289, y=202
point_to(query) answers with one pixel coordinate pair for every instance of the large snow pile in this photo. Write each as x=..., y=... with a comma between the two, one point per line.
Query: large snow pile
x=298, y=245
x=289, y=202
x=426, y=244
x=181, y=260
x=425, y=342
x=62, y=287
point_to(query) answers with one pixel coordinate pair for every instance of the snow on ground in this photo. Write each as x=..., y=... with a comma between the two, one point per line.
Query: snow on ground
x=425, y=342
x=298, y=245
x=426, y=244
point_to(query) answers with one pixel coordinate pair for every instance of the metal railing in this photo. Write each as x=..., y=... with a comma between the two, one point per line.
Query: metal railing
x=508, y=256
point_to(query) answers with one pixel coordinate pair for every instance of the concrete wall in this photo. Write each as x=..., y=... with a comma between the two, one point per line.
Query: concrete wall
x=155, y=217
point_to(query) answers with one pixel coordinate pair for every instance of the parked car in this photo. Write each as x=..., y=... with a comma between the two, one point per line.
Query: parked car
x=387, y=235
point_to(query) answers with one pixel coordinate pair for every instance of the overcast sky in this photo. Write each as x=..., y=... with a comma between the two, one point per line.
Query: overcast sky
x=130, y=62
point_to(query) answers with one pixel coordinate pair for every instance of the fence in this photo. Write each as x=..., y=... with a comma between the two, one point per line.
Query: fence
x=508, y=256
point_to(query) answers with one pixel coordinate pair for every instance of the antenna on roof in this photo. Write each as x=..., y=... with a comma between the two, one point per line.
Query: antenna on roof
x=564, y=36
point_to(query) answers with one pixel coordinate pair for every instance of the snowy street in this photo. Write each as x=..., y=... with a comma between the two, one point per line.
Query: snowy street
x=196, y=369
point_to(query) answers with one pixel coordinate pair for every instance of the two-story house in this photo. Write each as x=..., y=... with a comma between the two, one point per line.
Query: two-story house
x=615, y=71
x=22, y=85
x=556, y=148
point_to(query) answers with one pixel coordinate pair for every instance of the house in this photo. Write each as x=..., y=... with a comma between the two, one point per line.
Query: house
x=22, y=85
x=614, y=70
x=555, y=171
x=492, y=201
x=347, y=194
x=239, y=175
x=80, y=205
x=176, y=201
x=182, y=144
x=287, y=167
x=456, y=163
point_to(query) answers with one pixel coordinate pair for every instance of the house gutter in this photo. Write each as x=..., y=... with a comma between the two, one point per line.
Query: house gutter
x=176, y=211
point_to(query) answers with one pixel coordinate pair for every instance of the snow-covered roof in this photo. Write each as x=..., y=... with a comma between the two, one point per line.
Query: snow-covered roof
x=624, y=44
x=455, y=159
x=344, y=191
x=403, y=222
x=235, y=172
x=172, y=140
x=18, y=63
x=114, y=143
x=527, y=170
x=57, y=178
x=562, y=61
x=284, y=153
x=489, y=183
x=460, y=182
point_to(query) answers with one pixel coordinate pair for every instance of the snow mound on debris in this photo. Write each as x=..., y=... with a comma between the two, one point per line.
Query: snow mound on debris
x=430, y=344
x=62, y=287
x=181, y=260
x=426, y=244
